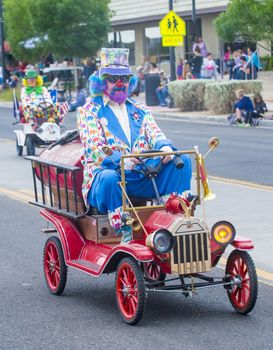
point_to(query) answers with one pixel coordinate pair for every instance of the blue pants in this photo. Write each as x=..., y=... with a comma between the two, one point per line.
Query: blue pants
x=106, y=195
x=162, y=93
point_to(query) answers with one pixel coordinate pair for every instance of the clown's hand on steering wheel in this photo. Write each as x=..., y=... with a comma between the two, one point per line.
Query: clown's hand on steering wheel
x=167, y=158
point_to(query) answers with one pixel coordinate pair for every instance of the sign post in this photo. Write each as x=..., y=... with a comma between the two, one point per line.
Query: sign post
x=172, y=30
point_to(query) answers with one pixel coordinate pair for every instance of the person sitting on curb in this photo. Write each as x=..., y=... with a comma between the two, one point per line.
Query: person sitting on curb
x=162, y=91
x=80, y=99
x=243, y=109
x=259, y=109
x=112, y=120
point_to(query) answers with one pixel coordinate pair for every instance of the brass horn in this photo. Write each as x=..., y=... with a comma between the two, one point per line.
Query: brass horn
x=204, y=179
x=129, y=221
x=213, y=143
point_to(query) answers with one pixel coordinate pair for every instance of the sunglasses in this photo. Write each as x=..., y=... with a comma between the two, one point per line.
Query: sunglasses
x=114, y=78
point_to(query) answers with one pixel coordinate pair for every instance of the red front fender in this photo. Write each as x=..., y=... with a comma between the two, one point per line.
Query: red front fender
x=242, y=243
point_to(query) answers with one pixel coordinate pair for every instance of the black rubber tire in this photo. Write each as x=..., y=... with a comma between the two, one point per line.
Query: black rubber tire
x=249, y=281
x=60, y=286
x=19, y=149
x=30, y=147
x=141, y=295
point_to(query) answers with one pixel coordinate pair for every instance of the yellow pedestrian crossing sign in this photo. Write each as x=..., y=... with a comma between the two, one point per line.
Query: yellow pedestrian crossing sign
x=172, y=24
x=172, y=29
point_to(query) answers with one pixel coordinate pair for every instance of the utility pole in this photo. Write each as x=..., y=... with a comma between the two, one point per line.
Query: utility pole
x=2, y=43
x=194, y=19
x=171, y=50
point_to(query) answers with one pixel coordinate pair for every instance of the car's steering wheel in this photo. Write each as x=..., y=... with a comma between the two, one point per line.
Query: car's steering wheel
x=152, y=170
x=45, y=106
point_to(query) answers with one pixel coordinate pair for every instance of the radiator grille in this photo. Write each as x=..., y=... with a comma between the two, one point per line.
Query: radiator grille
x=191, y=253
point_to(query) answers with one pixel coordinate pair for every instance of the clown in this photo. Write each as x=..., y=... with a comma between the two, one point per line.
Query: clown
x=33, y=94
x=112, y=119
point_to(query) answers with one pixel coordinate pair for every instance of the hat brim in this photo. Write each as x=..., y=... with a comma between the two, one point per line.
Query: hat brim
x=115, y=71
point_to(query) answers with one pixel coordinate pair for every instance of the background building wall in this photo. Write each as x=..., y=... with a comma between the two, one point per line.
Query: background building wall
x=125, y=10
x=209, y=35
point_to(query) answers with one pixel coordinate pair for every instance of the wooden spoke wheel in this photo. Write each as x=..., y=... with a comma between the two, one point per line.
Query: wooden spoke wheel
x=55, y=269
x=152, y=272
x=243, y=296
x=130, y=290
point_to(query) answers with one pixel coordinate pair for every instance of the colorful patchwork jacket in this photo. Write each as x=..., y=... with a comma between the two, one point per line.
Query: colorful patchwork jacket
x=98, y=126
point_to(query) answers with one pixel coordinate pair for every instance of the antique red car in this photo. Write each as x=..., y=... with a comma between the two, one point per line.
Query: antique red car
x=171, y=251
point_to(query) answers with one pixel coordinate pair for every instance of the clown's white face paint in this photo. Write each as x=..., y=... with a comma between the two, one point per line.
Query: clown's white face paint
x=117, y=92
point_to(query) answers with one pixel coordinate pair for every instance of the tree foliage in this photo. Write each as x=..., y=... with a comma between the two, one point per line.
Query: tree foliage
x=250, y=19
x=74, y=28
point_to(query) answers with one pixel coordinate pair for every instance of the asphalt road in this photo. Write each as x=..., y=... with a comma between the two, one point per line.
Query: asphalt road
x=86, y=317
x=243, y=154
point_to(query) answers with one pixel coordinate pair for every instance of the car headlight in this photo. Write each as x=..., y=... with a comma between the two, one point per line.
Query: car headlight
x=160, y=241
x=223, y=233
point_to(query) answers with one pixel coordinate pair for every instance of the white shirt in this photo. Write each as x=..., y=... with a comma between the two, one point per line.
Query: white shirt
x=120, y=112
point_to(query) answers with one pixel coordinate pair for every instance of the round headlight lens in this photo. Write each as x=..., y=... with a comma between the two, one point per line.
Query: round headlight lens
x=160, y=241
x=223, y=233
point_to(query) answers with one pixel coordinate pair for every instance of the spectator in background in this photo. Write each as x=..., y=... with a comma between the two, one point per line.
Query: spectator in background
x=237, y=63
x=89, y=67
x=202, y=46
x=243, y=108
x=209, y=68
x=162, y=91
x=48, y=60
x=146, y=65
x=245, y=71
x=179, y=69
x=253, y=58
x=259, y=109
x=145, y=70
x=186, y=69
x=13, y=81
x=154, y=69
x=140, y=76
x=80, y=99
x=229, y=62
x=189, y=76
x=196, y=63
x=22, y=68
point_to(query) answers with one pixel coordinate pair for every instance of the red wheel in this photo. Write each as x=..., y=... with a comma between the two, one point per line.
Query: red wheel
x=130, y=290
x=243, y=296
x=152, y=272
x=55, y=269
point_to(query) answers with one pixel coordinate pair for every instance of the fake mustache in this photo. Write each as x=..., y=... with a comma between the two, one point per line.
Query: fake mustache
x=118, y=89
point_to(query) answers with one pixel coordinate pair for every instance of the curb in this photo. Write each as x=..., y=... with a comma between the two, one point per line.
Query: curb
x=6, y=104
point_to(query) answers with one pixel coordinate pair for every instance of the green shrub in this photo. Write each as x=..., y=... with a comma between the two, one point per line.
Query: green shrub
x=220, y=96
x=267, y=62
x=188, y=95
